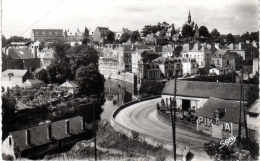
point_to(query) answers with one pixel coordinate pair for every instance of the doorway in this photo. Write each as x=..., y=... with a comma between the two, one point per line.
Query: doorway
x=185, y=105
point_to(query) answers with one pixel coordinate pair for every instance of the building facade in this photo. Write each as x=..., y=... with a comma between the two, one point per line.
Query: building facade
x=253, y=120
x=219, y=118
x=100, y=33
x=49, y=35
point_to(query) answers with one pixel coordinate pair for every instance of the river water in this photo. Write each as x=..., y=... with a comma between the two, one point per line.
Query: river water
x=117, y=93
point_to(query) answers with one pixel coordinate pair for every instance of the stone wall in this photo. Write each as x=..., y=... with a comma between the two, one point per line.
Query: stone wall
x=142, y=137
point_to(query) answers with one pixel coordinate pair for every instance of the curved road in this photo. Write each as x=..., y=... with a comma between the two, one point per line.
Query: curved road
x=142, y=117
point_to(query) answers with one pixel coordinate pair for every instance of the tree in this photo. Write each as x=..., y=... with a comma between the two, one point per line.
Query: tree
x=82, y=55
x=124, y=38
x=246, y=151
x=203, y=31
x=110, y=36
x=4, y=41
x=59, y=72
x=8, y=112
x=186, y=31
x=17, y=39
x=41, y=46
x=60, y=49
x=85, y=41
x=90, y=80
x=135, y=36
x=252, y=94
x=215, y=33
x=230, y=38
x=86, y=33
x=173, y=30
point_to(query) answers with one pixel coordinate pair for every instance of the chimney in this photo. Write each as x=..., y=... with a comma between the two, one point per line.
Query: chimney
x=239, y=46
x=83, y=123
x=49, y=132
x=27, y=137
x=231, y=46
x=67, y=126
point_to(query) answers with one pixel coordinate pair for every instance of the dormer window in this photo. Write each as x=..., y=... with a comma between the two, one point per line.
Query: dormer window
x=219, y=113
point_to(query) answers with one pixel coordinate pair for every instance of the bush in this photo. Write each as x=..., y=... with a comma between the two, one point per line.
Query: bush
x=7, y=157
x=152, y=87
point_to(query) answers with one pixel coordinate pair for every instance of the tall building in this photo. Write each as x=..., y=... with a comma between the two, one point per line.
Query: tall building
x=49, y=35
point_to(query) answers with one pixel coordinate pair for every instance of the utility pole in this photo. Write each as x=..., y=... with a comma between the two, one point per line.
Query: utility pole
x=94, y=122
x=241, y=97
x=244, y=110
x=173, y=117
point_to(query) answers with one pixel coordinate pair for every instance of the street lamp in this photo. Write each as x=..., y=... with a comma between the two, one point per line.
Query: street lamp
x=94, y=122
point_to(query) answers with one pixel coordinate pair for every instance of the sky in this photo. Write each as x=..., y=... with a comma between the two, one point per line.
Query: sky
x=228, y=16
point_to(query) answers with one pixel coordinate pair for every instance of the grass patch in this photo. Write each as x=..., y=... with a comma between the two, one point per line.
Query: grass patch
x=107, y=137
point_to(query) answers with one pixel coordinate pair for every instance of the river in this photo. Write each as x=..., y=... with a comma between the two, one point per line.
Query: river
x=117, y=93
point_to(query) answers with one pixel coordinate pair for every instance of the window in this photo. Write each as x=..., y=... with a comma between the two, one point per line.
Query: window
x=201, y=63
x=12, y=62
x=253, y=115
x=207, y=62
x=10, y=141
x=218, y=62
x=213, y=61
x=198, y=56
x=227, y=61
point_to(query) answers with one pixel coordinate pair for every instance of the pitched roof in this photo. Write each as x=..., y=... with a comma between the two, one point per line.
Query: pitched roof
x=255, y=107
x=231, y=54
x=231, y=107
x=22, y=106
x=70, y=84
x=220, y=52
x=20, y=53
x=200, y=89
x=37, y=70
x=196, y=47
x=38, y=134
x=16, y=72
x=128, y=47
x=185, y=48
x=102, y=28
x=33, y=81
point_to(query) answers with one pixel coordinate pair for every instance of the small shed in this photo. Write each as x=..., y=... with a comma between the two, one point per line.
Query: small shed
x=219, y=71
x=70, y=86
x=33, y=83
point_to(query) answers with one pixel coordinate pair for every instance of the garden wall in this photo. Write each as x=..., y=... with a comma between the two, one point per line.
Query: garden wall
x=142, y=137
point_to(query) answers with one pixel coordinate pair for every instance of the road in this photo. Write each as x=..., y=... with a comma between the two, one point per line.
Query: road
x=142, y=117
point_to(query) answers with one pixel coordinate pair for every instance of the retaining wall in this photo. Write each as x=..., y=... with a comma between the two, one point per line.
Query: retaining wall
x=142, y=137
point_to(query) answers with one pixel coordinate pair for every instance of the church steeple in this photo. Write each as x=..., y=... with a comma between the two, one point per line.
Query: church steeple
x=189, y=17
